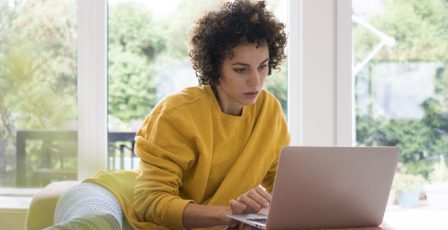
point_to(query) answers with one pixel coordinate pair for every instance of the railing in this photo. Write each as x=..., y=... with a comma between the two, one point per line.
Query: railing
x=121, y=143
x=55, y=155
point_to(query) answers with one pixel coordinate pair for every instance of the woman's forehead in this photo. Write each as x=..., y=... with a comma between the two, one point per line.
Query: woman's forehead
x=249, y=51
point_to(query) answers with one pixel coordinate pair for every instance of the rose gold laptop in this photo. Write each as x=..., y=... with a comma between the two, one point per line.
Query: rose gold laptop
x=329, y=187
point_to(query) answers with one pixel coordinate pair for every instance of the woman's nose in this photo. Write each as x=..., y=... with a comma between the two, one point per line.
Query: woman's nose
x=254, y=79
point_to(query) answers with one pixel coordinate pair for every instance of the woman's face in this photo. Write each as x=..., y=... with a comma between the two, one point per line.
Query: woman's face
x=242, y=77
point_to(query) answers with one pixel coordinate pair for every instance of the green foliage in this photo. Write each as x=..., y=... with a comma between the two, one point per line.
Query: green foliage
x=134, y=43
x=421, y=31
x=419, y=28
x=38, y=64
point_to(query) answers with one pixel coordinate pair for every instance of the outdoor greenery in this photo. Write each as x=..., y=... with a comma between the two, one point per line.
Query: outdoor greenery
x=37, y=73
x=420, y=29
x=37, y=64
x=134, y=42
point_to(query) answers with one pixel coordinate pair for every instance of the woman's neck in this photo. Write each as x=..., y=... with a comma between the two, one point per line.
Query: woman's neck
x=225, y=109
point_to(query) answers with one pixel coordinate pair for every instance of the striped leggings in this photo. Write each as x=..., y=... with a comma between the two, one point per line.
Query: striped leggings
x=88, y=206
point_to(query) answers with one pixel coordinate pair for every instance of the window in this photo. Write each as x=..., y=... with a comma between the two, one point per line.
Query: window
x=38, y=88
x=400, y=80
x=148, y=59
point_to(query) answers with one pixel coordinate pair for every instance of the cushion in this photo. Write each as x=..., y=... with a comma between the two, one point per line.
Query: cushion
x=40, y=214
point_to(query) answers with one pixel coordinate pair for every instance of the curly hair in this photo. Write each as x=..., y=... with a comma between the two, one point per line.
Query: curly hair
x=218, y=32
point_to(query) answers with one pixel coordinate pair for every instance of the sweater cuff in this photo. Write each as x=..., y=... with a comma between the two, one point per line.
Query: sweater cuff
x=175, y=213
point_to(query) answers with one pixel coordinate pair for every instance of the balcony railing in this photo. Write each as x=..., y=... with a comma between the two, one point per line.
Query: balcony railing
x=43, y=156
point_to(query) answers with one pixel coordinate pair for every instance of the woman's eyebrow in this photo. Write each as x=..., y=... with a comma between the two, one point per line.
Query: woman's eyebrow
x=240, y=63
x=244, y=64
x=266, y=60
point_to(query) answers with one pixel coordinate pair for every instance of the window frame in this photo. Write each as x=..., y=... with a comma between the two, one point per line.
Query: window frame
x=92, y=87
x=321, y=82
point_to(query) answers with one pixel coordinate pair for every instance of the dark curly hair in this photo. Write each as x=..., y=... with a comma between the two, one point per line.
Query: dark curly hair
x=218, y=32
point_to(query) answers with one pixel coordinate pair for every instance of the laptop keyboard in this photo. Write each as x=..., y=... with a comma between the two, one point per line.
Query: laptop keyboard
x=259, y=220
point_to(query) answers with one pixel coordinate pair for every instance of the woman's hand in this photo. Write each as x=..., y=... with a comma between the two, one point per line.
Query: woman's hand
x=251, y=202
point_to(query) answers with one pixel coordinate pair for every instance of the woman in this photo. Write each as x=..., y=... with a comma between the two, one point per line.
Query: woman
x=210, y=150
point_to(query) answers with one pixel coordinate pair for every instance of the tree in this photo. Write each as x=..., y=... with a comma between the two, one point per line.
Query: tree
x=38, y=60
x=134, y=43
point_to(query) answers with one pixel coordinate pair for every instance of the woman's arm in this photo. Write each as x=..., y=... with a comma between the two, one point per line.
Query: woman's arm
x=165, y=155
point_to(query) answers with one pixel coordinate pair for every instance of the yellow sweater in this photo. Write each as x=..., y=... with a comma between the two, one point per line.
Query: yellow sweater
x=191, y=151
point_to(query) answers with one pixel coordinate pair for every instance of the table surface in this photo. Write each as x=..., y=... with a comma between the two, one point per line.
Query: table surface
x=416, y=218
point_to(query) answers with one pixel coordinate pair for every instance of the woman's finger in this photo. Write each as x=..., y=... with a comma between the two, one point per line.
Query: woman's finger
x=263, y=193
x=237, y=207
x=258, y=197
x=252, y=205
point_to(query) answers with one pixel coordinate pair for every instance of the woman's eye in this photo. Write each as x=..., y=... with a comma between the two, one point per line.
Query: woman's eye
x=262, y=67
x=239, y=70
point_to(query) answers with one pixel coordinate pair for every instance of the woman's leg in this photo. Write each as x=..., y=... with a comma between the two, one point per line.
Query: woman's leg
x=87, y=206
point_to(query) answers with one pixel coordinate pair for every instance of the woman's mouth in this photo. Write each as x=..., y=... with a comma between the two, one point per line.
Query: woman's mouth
x=251, y=94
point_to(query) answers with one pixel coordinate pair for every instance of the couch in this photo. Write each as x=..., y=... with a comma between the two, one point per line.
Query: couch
x=41, y=211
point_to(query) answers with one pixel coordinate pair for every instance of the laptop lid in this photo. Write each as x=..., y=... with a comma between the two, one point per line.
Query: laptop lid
x=332, y=187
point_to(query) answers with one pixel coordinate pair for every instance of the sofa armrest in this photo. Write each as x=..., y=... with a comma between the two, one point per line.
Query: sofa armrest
x=40, y=214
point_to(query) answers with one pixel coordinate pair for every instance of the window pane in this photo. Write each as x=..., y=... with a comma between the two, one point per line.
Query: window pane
x=38, y=104
x=148, y=59
x=400, y=59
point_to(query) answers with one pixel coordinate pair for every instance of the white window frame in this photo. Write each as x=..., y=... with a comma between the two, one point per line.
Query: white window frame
x=92, y=87
x=345, y=99
x=320, y=84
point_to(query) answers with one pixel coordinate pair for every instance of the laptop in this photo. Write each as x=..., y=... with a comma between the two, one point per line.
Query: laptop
x=328, y=187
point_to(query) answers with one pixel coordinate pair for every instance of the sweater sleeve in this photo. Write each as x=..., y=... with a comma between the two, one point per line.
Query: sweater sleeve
x=165, y=156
